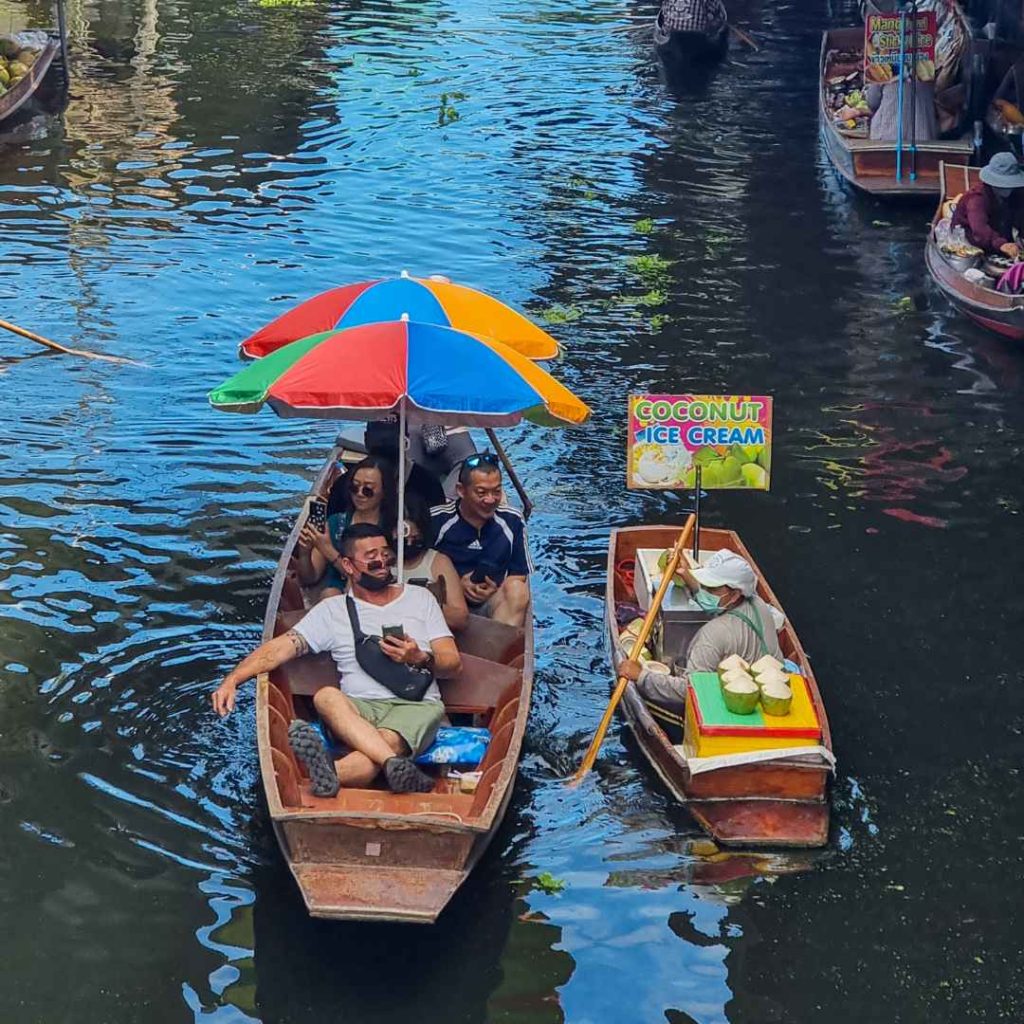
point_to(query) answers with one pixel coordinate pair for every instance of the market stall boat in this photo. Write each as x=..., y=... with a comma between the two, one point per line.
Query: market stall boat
x=370, y=854
x=996, y=311
x=868, y=164
x=21, y=92
x=776, y=797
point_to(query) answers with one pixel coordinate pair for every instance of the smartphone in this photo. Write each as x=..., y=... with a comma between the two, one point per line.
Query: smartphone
x=398, y=632
x=318, y=514
x=481, y=572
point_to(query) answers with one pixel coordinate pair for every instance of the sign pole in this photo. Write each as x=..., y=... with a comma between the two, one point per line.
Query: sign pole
x=899, y=96
x=696, y=515
x=913, y=90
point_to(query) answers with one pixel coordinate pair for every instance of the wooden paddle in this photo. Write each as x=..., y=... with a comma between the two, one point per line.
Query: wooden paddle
x=743, y=37
x=40, y=340
x=645, y=630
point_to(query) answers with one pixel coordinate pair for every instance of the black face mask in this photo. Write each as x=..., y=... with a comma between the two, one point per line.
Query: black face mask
x=375, y=583
x=414, y=548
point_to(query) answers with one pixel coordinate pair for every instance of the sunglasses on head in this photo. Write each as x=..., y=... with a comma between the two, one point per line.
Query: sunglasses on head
x=364, y=489
x=481, y=459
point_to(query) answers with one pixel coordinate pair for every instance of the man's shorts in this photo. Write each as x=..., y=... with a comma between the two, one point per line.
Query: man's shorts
x=416, y=721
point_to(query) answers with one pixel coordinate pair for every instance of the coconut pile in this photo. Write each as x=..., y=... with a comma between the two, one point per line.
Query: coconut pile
x=744, y=686
x=16, y=61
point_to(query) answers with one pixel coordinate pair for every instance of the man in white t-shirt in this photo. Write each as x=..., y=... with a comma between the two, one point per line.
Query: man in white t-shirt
x=381, y=731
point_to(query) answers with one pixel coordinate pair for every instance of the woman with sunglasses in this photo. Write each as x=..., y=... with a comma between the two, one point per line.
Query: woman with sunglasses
x=425, y=566
x=365, y=494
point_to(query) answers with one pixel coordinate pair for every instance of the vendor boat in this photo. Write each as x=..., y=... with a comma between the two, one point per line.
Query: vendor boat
x=681, y=51
x=772, y=796
x=370, y=854
x=19, y=94
x=999, y=312
x=868, y=164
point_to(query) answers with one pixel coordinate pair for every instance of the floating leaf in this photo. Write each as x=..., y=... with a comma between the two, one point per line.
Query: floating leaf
x=904, y=305
x=651, y=267
x=548, y=882
x=561, y=314
x=644, y=226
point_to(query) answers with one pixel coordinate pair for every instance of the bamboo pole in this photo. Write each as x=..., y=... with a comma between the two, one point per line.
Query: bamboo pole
x=645, y=630
x=512, y=475
x=47, y=343
x=743, y=37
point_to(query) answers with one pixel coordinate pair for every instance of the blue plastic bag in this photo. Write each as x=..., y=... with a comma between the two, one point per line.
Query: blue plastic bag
x=464, y=744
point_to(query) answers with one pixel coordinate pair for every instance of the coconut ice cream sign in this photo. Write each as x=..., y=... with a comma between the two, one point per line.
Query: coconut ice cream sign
x=728, y=436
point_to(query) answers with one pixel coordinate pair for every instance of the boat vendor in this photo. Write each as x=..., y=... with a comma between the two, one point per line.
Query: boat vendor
x=990, y=209
x=486, y=541
x=706, y=17
x=380, y=731
x=743, y=624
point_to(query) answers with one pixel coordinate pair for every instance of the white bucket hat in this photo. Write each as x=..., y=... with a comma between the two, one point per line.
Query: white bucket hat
x=1003, y=171
x=727, y=569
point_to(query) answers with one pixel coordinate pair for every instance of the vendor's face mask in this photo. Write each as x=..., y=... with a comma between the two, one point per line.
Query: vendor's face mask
x=706, y=601
x=1003, y=193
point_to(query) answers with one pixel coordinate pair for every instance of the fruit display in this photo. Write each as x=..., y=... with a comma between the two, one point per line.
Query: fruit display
x=844, y=92
x=15, y=62
x=763, y=683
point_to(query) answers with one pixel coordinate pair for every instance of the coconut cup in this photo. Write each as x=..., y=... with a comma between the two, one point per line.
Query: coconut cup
x=741, y=697
x=776, y=699
x=764, y=664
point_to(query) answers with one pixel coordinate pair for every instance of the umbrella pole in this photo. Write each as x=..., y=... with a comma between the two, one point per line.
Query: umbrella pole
x=400, y=525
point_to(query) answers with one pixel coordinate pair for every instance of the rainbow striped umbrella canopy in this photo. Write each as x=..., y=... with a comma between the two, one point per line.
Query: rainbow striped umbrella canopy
x=427, y=372
x=425, y=300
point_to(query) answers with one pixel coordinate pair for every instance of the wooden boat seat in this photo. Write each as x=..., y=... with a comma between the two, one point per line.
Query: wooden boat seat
x=479, y=687
x=476, y=690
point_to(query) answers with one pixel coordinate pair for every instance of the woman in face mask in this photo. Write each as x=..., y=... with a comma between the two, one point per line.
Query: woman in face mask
x=989, y=210
x=426, y=566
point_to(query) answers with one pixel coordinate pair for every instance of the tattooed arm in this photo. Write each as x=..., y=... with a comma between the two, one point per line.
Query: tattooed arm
x=266, y=657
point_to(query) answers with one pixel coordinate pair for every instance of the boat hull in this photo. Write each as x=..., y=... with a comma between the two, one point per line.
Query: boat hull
x=14, y=99
x=680, y=50
x=368, y=854
x=780, y=803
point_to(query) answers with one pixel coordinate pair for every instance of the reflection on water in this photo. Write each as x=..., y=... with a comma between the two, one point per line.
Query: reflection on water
x=218, y=161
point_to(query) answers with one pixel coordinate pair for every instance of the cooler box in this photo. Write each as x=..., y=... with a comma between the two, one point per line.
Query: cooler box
x=680, y=616
x=712, y=729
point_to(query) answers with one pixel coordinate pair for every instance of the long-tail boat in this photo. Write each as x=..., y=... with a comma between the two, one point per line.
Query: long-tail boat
x=19, y=94
x=773, y=798
x=869, y=164
x=1000, y=312
x=370, y=854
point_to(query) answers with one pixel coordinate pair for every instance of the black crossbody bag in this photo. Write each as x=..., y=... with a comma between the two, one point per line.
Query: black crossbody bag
x=404, y=681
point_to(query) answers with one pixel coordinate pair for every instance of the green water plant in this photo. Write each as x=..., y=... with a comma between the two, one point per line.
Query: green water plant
x=561, y=314
x=549, y=884
x=447, y=112
x=651, y=267
x=644, y=226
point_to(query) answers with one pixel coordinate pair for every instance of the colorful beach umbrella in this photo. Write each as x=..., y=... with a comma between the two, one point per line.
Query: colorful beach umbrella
x=426, y=372
x=425, y=300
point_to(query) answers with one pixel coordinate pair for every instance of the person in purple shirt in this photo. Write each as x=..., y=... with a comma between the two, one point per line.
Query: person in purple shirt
x=990, y=209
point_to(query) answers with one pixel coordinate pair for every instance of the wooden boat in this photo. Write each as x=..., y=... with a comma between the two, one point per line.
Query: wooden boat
x=680, y=51
x=369, y=854
x=995, y=311
x=780, y=802
x=870, y=165
x=20, y=94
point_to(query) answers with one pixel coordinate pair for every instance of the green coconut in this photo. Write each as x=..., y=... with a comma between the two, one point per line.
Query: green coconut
x=776, y=698
x=772, y=676
x=741, y=695
x=765, y=663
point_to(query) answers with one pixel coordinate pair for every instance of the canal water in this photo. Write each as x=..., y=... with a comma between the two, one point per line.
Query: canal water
x=219, y=161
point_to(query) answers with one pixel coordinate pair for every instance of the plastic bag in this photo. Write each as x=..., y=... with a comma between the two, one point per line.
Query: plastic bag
x=457, y=744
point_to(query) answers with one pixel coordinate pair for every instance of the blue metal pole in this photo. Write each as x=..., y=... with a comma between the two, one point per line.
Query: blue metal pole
x=899, y=97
